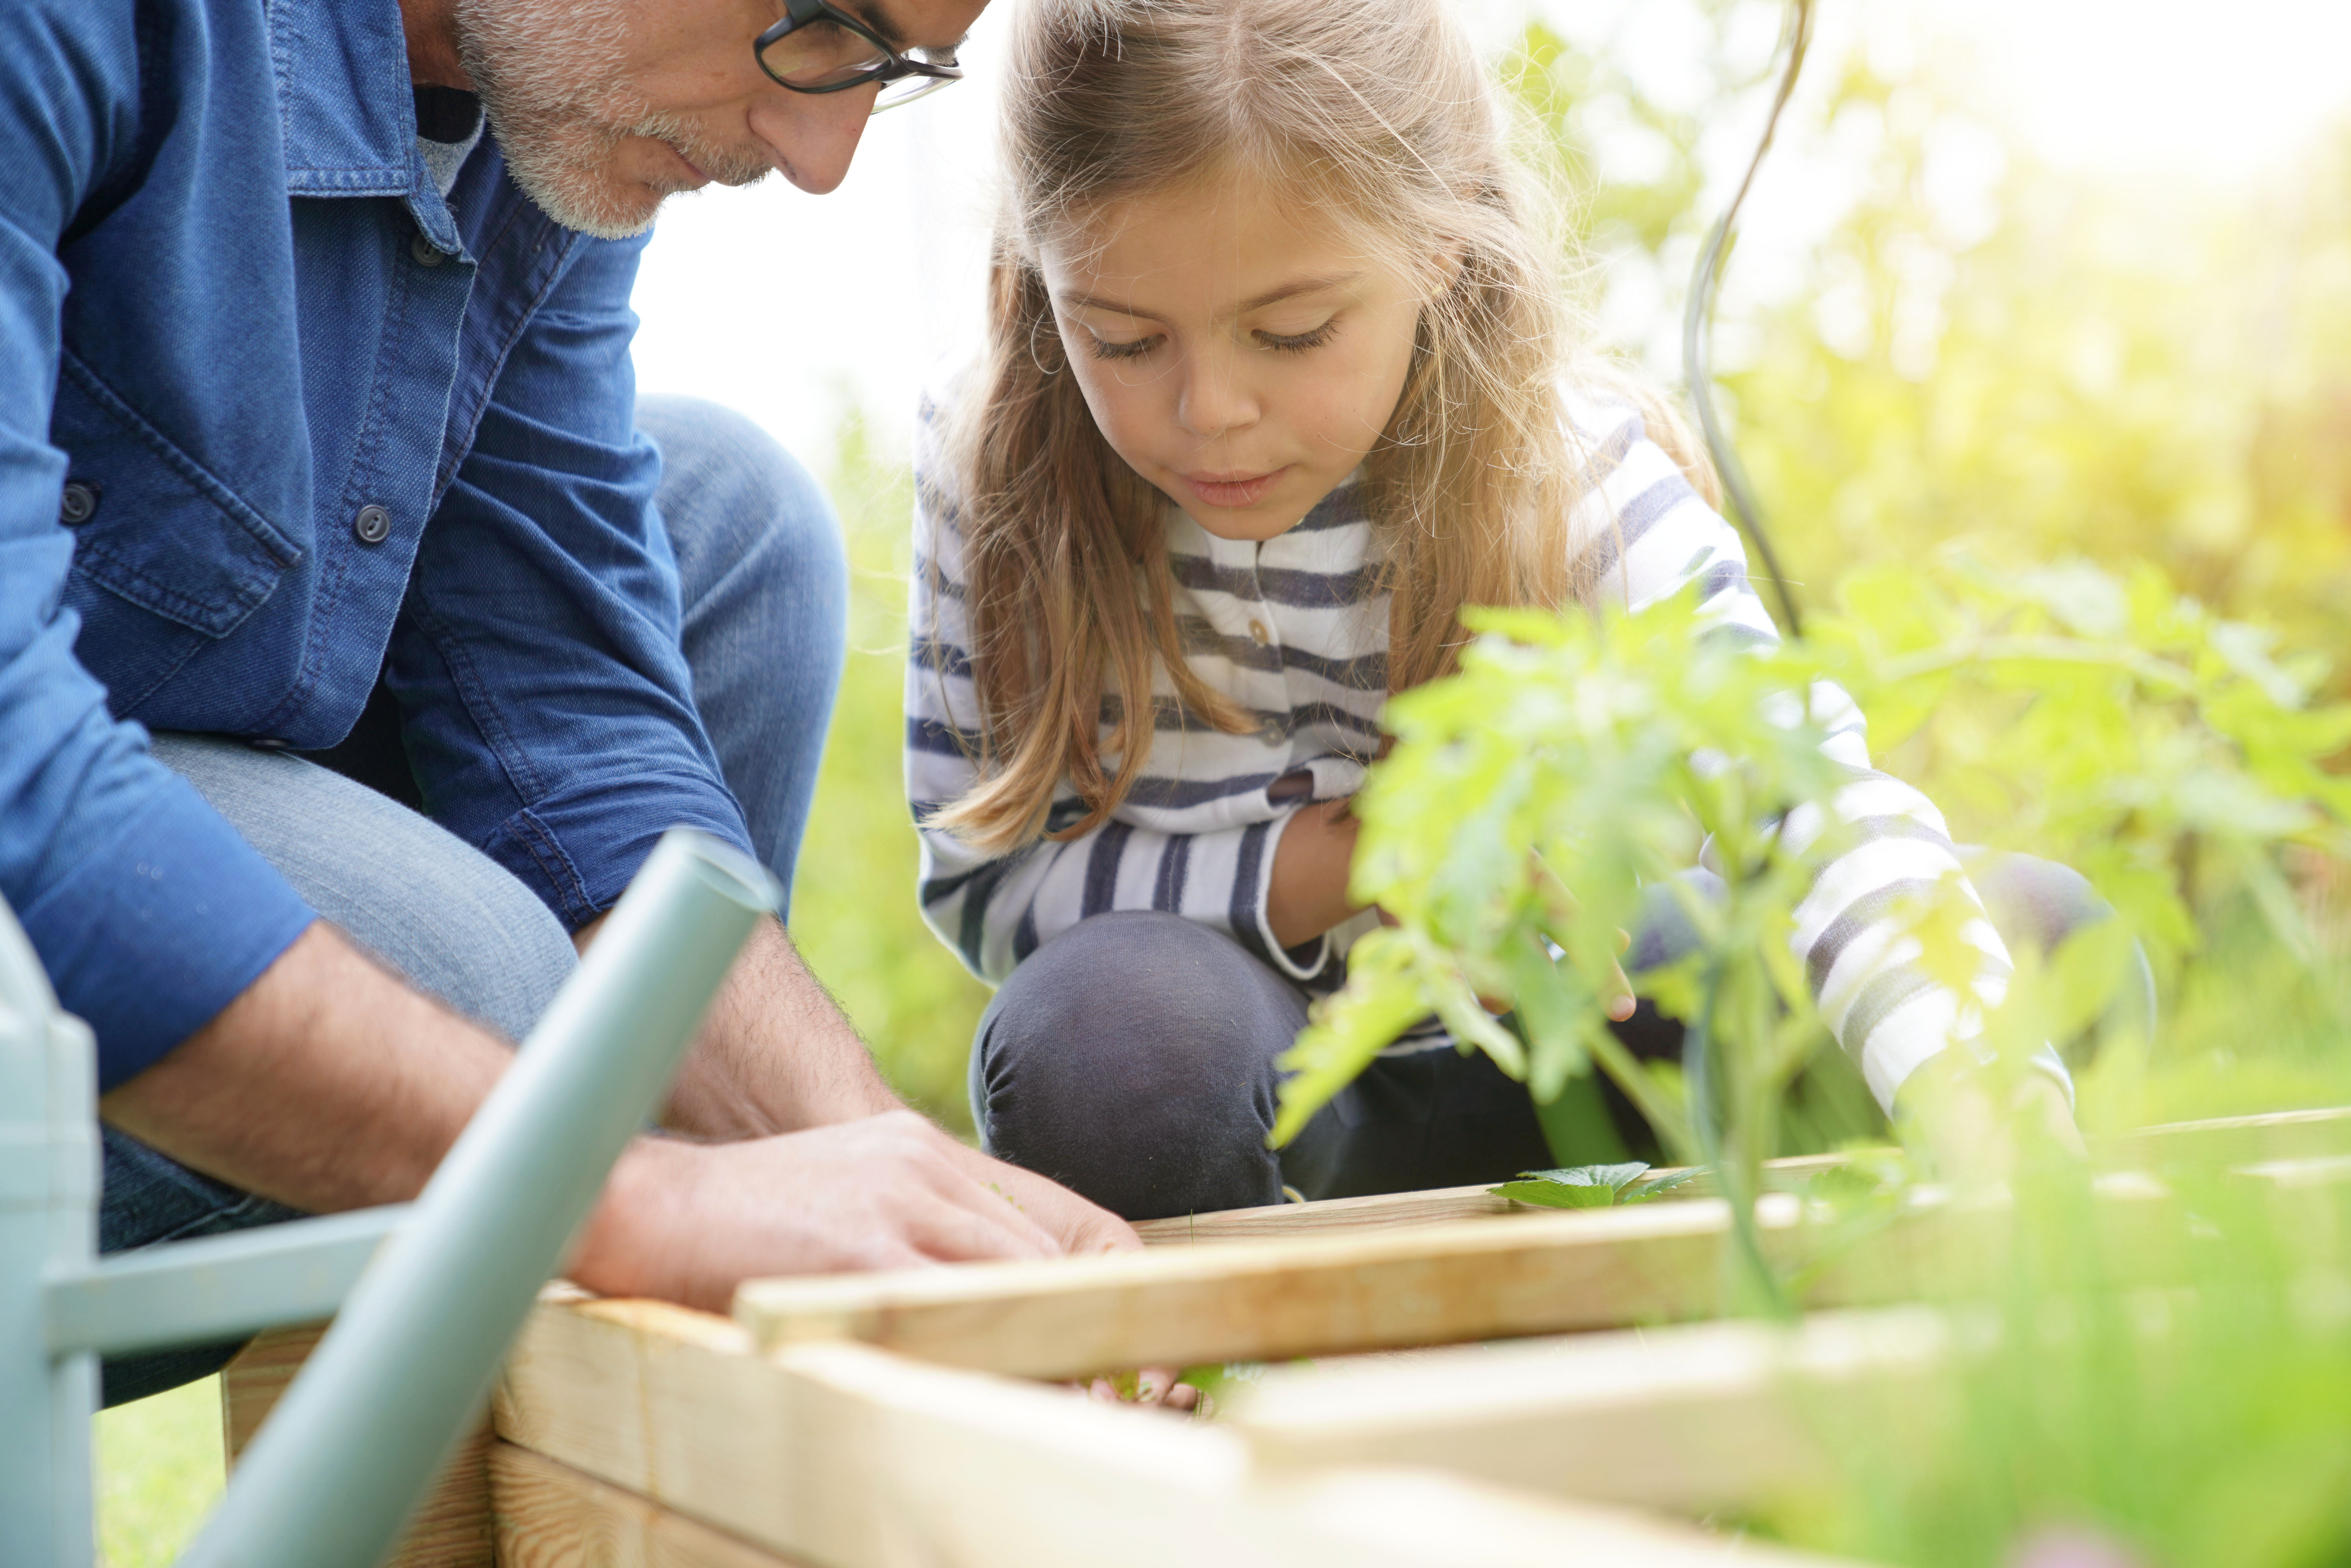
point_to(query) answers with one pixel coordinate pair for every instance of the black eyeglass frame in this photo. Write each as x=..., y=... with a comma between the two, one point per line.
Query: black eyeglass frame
x=894, y=67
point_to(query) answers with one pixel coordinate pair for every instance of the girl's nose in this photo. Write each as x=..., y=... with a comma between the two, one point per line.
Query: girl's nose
x=1214, y=401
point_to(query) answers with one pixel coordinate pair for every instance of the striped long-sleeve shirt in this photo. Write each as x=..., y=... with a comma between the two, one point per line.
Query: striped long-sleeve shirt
x=1294, y=629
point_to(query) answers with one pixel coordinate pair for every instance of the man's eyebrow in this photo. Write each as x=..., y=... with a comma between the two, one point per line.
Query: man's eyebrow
x=1270, y=296
x=879, y=21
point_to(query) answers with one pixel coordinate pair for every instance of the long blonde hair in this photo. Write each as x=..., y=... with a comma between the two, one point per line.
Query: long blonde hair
x=1378, y=112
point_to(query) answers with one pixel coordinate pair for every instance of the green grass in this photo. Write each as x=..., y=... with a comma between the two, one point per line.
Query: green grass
x=159, y=1473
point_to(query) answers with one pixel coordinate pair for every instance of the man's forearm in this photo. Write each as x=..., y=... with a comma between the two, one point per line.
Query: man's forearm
x=327, y=1084
x=775, y=1054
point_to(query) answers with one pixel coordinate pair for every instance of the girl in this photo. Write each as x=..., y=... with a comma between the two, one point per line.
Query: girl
x=1278, y=381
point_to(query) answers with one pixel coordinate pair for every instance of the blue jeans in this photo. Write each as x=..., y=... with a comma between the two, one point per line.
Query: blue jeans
x=766, y=589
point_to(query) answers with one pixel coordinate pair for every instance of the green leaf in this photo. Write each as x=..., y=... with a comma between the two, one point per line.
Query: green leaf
x=1643, y=1191
x=1580, y=1186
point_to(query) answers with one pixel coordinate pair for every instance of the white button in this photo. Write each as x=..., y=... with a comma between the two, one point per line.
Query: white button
x=1258, y=633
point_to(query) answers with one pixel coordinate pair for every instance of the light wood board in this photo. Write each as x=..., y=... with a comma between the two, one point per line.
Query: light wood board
x=1686, y=1418
x=855, y=1457
x=551, y=1516
x=2233, y=1140
x=1395, y=1210
x=1438, y=1284
x=2230, y=1140
x=452, y=1527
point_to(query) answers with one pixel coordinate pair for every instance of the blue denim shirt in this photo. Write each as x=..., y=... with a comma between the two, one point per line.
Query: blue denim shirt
x=308, y=421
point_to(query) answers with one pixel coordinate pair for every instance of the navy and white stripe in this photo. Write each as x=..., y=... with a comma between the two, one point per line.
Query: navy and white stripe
x=1294, y=629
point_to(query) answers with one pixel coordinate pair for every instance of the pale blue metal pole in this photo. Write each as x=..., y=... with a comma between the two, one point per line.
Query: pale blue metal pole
x=48, y=1226
x=217, y=1288
x=341, y=1464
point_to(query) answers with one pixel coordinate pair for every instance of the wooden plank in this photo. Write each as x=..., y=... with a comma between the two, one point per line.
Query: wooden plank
x=551, y=1516
x=1397, y=1210
x=1382, y=1211
x=1722, y=1415
x=2234, y=1140
x=855, y=1457
x=451, y=1530
x=1272, y=1299
x=2231, y=1140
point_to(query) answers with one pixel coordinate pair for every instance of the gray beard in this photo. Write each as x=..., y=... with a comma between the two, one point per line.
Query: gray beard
x=560, y=114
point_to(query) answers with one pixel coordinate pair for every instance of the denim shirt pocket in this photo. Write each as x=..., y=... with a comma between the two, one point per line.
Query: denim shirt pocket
x=181, y=557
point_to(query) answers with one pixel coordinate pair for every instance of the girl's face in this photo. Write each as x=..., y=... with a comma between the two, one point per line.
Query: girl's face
x=1236, y=350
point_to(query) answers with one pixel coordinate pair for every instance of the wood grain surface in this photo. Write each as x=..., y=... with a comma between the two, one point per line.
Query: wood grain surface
x=452, y=1527
x=1690, y=1418
x=855, y=1457
x=551, y=1516
x=1437, y=1284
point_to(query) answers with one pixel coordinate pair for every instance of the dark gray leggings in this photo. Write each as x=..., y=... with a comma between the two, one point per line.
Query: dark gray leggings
x=1132, y=1058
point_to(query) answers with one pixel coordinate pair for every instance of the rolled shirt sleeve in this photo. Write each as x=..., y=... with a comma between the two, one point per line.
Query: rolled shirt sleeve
x=148, y=911
x=546, y=699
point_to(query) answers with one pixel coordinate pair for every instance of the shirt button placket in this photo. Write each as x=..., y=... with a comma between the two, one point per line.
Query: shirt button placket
x=373, y=526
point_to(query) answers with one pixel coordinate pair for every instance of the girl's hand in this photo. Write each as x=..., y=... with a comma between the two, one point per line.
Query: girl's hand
x=1979, y=1129
x=1307, y=894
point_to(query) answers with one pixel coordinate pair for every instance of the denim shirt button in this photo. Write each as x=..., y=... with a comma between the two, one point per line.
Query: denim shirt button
x=373, y=526
x=77, y=504
x=424, y=252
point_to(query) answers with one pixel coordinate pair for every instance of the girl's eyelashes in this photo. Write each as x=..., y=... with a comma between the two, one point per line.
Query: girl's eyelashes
x=1134, y=349
x=1298, y=343
x=1280, y=342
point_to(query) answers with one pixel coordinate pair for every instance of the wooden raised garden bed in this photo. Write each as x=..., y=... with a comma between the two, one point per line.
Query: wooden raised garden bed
x=919, y=1419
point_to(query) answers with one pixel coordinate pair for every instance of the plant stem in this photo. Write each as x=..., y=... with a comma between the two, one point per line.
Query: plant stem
x=1751, y=1281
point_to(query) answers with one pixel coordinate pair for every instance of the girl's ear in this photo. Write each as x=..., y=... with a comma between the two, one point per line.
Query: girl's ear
x=1443, y=269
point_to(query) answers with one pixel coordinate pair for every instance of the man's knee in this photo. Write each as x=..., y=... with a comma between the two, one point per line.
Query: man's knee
x=454, y=922
x=1131, y=1058
x=735, y=500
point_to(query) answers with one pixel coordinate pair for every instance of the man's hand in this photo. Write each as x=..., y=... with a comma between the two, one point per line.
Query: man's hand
x=329, y=1084
x=689, y=1222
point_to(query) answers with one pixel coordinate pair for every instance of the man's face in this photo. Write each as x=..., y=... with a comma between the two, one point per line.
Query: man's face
x=603, y=107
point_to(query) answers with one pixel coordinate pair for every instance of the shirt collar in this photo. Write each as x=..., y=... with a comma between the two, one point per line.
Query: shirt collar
x=347, y=109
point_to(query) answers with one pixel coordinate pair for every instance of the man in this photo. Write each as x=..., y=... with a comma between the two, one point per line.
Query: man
x=318, y=405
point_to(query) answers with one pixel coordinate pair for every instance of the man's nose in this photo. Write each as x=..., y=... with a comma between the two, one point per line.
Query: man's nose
x=811, y=137
x=1214, y=399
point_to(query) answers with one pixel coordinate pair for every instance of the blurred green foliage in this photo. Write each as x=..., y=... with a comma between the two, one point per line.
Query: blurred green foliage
x=2084, y=1423
x=855, y=916
x=2048, y=372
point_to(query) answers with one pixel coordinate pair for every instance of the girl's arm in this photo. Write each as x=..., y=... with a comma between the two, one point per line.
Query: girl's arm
x=1654, y=535
x=1307, y=895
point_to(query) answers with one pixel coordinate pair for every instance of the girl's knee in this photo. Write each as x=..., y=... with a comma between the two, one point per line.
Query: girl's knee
x=2036, y=900
x=1132, y=1058
x=1146, y=999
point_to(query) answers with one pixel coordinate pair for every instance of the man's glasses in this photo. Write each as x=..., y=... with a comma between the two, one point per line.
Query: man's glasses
x=819, y=48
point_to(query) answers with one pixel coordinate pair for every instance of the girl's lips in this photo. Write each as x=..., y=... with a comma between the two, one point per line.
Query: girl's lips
x=1233, y=494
